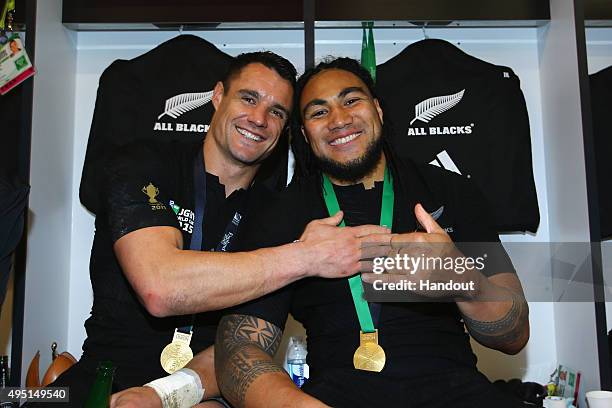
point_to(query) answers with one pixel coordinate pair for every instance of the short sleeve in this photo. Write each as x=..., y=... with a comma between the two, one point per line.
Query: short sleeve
x=509, y=184
x=273, y=308
x=136, y=189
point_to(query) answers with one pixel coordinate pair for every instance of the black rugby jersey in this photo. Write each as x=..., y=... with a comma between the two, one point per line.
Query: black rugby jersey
x=147, y=185
x=453, y=111
x=420, y=338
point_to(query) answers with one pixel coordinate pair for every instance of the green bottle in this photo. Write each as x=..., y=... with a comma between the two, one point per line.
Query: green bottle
x=99, y=395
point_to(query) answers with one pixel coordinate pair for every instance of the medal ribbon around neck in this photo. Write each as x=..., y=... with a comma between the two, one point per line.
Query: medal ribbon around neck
x=178, y=353
x=369, y=356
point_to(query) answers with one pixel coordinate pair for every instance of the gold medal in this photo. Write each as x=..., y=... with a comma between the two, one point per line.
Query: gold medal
x=369, y=356
x=177, y=354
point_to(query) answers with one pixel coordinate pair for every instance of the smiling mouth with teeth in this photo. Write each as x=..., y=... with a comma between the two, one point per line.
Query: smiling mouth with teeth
x=345, y=140
x=248, y=134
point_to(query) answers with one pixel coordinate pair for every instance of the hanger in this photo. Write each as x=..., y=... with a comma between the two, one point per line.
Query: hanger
x=424, y=28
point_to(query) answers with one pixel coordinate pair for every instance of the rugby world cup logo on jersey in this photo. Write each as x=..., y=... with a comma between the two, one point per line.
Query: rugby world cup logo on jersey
x=177, y=106
x=431, y=108
x=152, y=192
x=185, y=217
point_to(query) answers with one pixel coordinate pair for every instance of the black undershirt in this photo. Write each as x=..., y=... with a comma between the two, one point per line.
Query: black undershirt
x=362, y=206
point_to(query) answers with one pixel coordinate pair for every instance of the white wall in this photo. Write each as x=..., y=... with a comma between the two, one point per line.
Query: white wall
x=599, y=48
x=566, y=183
x=51, y=199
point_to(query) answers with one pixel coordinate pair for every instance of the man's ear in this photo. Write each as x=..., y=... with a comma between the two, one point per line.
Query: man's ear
x=379, y=110
x=218, y=94
x=304, y=134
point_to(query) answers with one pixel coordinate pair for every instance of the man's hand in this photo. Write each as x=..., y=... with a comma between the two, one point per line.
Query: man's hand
x=137, y=397
x=337, y=252
x=432, y=245
x=145, y=397
x=494, y=308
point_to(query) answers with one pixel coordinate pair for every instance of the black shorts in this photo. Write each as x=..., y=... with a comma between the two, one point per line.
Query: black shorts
x=459, y=389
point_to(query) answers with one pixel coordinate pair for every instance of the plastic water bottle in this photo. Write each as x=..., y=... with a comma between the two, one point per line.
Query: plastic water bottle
x=296, y=360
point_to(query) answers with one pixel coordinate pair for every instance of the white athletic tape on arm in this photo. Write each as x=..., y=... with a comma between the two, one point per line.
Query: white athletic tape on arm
x=183, y=389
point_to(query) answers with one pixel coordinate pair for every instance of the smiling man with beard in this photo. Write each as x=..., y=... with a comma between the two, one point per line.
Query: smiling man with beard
x=413, y=354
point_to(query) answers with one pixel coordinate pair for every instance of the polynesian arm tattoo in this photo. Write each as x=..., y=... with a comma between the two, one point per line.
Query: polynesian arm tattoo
x=244, y=349
x=505, y=332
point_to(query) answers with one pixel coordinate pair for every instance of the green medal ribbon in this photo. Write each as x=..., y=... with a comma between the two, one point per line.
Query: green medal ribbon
x=386, y=219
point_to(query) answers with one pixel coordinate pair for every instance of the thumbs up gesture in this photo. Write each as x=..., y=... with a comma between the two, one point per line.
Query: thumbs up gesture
x=424, y=256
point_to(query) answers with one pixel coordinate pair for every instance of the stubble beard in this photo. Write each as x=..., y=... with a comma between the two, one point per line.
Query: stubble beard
x=353, y=170
x=244, y=160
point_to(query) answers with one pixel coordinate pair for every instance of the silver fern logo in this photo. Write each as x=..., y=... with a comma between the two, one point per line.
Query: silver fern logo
x=432, y=107
x=179, y=104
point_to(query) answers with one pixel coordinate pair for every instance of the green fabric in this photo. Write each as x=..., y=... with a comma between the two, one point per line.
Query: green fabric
x=368, y=50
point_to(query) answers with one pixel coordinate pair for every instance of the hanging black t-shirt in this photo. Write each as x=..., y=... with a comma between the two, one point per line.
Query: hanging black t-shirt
x=162, y=95
x=419, y=339
x=601, y=94
x=451, y=110
x=145, y=186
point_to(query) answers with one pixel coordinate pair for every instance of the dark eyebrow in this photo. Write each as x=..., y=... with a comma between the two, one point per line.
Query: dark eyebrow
x=341, y=94
x=313, y=103
x=281, y=108
x=250, y=92
x=351, y=89
x=255, y=94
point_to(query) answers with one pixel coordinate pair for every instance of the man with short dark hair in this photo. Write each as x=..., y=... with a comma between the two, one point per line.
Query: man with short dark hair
x=411, y=354
x=161, y=270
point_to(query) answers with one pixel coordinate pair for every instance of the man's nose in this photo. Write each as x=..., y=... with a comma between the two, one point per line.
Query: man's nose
x=340, y=118
x=259, y=116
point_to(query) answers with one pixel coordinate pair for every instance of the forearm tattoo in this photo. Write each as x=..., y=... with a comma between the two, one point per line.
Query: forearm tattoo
x=503, y=332
x=238, y=354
